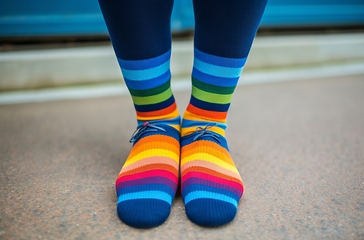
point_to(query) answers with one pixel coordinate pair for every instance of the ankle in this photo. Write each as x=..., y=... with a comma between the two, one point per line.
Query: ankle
x=192, y=123
x=172, y=122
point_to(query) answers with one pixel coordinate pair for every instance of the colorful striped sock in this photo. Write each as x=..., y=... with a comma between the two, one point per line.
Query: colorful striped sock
x=148, y=181
x=211, y=184
x=140, y=33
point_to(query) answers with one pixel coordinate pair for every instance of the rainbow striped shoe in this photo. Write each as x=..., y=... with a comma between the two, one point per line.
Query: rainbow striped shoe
x=211, y=184
x=148, y=181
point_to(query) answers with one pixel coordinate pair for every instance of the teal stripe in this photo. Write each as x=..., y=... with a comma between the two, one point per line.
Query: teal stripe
x=209, y=195
x=159, y=195
x=141, y=75
x=217, y=71
x=150, y=91
x=212, y=88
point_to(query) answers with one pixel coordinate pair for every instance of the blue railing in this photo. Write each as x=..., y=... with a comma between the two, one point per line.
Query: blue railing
x=82, y=17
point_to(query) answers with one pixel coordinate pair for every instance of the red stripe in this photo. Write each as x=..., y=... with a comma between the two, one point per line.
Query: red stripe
x=161, y=112
x=213, y=179
x=205, y=113
x=146, y=174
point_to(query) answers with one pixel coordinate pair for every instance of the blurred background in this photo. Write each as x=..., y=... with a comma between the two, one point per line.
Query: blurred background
x=25, y=18
x=57, y=43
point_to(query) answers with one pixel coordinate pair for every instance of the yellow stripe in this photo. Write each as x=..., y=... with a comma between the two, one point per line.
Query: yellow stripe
x=189, y=116
x=214, y=151
x=176, y=126
x=152, y=152
x=209, y=158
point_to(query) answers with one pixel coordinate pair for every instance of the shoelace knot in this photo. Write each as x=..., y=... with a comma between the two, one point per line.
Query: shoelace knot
x=142, y=129
x=204, y=132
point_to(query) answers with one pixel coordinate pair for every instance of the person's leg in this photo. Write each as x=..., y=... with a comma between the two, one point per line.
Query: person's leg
x=141, y=37
x=211, y=184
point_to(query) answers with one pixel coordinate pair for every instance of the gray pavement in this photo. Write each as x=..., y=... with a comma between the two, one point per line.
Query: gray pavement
x=299, y=147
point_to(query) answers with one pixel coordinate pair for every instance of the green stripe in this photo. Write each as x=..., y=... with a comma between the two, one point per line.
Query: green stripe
x=211, y=97
x=152, y=99
x=212, y=88
x=150, y=92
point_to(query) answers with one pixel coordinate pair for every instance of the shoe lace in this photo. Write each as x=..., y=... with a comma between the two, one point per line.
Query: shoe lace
x=142, y=129
x=204, y=132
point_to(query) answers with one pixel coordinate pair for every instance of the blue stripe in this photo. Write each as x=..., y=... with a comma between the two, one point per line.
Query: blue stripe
x=217, y=71
x=148, y=84
x=193, y=123
x=209, y=195
x=140, y=181
x=219, y=61
x=147, y=187
x=146, y=74
x=213, y=80
x=145, y=63
x=169, y=132
x=156, y=106
x=146, y=195
x=199, y=187
x=194, y=180
x=209, y=106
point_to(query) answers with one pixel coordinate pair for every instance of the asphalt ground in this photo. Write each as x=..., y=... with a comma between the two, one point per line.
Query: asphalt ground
x=299, y=146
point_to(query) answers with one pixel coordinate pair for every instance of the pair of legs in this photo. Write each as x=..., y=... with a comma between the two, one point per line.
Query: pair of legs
x=163, y=146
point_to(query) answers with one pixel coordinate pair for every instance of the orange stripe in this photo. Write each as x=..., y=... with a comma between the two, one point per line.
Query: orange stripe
x=173, y=114
x=199, y=169
x=208, y=150
x=209, y=147
x=206, y=114
x=156, y=141
x=160, y=112
x=148, y=167
x=146, y=147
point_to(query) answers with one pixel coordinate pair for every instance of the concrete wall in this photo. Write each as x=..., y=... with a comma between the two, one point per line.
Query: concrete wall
x=85, y=65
